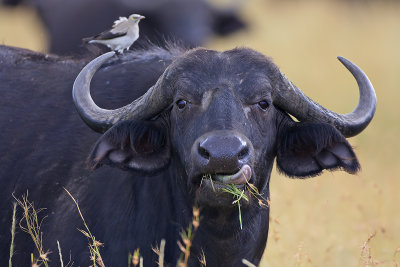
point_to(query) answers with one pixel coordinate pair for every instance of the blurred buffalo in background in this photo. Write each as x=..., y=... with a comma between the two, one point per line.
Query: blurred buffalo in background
x=190, y=22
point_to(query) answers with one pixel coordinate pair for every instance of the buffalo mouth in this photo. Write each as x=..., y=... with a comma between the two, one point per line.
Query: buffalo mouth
x=212, y=187
x=238, y=178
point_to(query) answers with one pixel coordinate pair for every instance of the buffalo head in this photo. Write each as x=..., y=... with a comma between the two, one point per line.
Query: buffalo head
x=221, y=118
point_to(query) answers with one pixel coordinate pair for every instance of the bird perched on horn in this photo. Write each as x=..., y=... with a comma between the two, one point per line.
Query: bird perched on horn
x=124, y=32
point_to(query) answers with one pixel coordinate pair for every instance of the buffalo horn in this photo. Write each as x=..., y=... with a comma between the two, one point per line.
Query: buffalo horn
x=100, y=120
x=303, y=108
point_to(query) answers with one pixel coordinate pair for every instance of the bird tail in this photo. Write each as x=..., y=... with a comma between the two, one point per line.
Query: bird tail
x=87, y=40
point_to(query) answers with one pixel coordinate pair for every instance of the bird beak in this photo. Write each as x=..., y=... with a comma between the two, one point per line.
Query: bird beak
x=142, y=17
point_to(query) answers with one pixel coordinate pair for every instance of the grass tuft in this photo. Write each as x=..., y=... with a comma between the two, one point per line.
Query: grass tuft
x=31, y=225
x=94, y=245
x=202, y=259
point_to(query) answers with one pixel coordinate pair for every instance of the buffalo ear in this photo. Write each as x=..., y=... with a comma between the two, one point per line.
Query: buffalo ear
x=134, y=145
x=306, y=149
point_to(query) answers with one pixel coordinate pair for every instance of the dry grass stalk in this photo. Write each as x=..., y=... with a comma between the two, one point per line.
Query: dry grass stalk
x=202, y=259
x=300, y=255
x=94, y=245
x=248, y=263
x=397, y=251
x=187, y=238
x=160, y=253
x=366, y=258
x=208, y=177
x=31, y=225
x=263, y=202
x=60, y=254
x=14, y=222
x=70, y=263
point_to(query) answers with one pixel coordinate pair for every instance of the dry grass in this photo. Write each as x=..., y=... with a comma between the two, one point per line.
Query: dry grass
x=329, y=216
x=160, y=251
x=13, y=225
x=31, y=224
x=187, y=237
x=94, y=245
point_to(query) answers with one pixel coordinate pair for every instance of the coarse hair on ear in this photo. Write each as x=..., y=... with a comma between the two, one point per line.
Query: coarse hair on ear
x=141, y=146
x=305, y=149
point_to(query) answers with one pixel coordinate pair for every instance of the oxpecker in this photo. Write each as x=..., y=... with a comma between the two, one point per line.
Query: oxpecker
x=124, y=32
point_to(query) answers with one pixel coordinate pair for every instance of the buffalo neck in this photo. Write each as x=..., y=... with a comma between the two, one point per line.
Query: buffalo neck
x=219, y=235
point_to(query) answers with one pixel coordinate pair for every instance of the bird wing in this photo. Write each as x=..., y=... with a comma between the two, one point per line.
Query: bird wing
x=107, y=35
x=119, y=28
x=120, y=25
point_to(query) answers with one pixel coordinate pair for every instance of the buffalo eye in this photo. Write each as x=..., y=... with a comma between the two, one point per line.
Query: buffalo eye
x=263, y=104
x=181, y=104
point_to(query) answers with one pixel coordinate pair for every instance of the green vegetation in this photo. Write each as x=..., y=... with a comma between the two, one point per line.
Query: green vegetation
x=238, y=195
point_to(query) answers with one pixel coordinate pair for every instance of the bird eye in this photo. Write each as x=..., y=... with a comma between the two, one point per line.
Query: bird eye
x=181, y=103
x=263, y=104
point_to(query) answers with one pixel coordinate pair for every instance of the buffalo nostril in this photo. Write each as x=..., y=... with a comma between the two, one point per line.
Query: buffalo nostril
x=243, y=153
x=203, y=152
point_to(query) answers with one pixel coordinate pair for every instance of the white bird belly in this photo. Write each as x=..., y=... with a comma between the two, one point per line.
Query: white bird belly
x=117, y=44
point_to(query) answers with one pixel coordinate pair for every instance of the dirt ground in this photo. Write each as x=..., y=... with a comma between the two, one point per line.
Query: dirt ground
x=327, y=220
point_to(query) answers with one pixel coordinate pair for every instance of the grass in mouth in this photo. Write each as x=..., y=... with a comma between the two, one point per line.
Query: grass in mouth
x=208, y=177
x=238, y=195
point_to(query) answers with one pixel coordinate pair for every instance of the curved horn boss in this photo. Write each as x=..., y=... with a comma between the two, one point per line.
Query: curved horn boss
x=100, y=120
x=290, y=99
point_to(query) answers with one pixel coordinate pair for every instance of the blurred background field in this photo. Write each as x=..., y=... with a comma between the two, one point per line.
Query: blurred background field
x=323, y=221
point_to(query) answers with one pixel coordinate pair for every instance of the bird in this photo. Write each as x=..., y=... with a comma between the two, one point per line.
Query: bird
x=124, y=32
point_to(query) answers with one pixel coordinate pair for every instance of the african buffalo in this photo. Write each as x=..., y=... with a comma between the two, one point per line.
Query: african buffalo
x=200, y=120
x=191, y=22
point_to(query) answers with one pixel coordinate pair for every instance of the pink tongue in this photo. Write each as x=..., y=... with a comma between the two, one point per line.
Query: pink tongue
x=241, y=177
